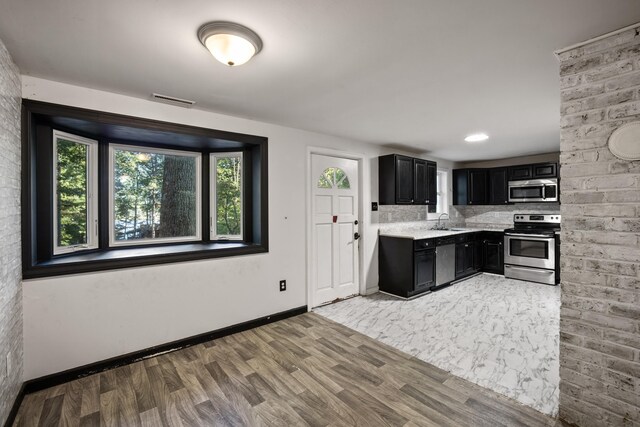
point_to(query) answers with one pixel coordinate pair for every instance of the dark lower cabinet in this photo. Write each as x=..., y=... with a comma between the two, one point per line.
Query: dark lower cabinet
x=493, y=255
x=424, y=265
x=407, y=267
x=468, y=255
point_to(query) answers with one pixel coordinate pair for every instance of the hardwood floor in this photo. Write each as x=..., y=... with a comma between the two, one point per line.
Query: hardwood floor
x=306, y=370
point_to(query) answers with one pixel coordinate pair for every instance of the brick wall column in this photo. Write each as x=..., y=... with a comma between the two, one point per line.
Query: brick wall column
x=600, y=314
x=11, y=354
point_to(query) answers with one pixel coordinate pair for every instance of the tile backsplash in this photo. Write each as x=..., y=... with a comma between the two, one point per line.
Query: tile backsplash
x=480, y=216
x=469, y=216
x=388, y=214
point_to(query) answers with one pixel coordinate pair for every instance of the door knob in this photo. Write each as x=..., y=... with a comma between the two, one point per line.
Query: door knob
x=356, y=236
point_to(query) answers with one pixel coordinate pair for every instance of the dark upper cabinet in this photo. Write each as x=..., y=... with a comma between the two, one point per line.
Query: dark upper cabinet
x=490, y=186
x=470, y=187
x=404, y=180
x=498, y=182
x=520, y=173
x=534, y=171
x=545, y=170
x=432, y=182
x=420, y=182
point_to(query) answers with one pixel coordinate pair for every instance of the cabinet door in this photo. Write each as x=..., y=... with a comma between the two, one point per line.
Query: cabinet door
x=469, y=257
x=545, y=170
x=425, y=270
x=432, y=182
x=493, y=256
x=460, y=260
x=420, y=189
x=498, y=192
x=460, y=184
x=477, y=256
x=404, y=180
x=478, y=187
x=518, y=173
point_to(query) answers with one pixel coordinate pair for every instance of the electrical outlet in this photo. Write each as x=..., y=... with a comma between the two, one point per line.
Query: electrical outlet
x=374, y=206
x=283, y=285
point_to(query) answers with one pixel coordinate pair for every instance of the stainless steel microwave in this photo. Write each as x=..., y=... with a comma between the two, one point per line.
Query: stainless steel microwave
x=534, y=190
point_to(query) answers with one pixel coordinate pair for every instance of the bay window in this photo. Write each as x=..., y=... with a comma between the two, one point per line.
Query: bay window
x=104, y=191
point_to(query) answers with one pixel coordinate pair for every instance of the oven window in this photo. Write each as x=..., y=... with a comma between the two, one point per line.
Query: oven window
x=529, y=248
x=533, y=192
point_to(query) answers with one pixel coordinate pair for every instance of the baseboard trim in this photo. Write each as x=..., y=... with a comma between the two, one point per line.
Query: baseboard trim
x=52, y=380
x=16, y=406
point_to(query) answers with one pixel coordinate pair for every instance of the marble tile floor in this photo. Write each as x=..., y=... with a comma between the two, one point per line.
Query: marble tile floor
x=499, y=333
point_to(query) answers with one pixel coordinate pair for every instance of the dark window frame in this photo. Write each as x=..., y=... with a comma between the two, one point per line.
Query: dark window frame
x=38, y=121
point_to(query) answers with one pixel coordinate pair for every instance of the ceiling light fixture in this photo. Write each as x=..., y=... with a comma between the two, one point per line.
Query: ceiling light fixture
x=230, y=43
x=477, y=137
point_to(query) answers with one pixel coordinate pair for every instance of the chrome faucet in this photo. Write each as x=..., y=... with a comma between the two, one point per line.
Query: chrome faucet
x=438, y=227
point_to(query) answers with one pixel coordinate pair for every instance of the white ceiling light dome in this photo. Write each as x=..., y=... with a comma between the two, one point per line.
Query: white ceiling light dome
x=230, y=43
x=477, y=137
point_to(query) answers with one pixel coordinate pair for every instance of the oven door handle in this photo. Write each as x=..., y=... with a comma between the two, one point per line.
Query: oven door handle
x=529, y=235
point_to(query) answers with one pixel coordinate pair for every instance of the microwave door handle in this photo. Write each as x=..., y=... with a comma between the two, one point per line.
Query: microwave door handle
x=544, y=191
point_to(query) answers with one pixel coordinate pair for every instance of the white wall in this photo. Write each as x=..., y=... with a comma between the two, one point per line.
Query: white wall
x=74, y=320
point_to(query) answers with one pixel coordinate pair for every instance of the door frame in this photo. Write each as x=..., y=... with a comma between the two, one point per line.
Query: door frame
x=360, y=158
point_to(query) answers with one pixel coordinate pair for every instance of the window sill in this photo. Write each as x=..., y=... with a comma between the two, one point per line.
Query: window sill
x=116, y=258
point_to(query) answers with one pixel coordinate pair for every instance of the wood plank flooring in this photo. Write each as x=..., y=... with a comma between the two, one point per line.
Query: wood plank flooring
x=306, y=370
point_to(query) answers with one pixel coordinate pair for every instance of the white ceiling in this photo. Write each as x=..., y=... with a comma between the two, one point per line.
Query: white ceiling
x=418, y=73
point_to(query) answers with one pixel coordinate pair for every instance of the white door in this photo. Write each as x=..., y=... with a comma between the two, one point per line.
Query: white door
x=334, y=246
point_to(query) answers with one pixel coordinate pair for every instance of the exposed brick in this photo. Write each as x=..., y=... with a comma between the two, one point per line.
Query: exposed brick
x=600, y=101
x=623, y=82
x=623, y=366
x=588, y=117
x=608, y=321
x=582, y=91
x=600, y=252
x=608, y=70
x=611, y=182
x=625, y=310
x=10, y=257
x=610, y=349
x=579, y=65
x=630, y=51
x=619, y=210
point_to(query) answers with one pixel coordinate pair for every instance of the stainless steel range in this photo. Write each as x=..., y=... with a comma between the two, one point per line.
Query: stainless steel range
x=532, y=248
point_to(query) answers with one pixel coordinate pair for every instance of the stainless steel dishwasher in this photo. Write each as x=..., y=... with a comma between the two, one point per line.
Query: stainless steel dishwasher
x=445, y=260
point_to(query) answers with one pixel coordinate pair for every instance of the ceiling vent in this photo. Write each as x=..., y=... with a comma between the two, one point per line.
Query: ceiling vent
x=172, y=100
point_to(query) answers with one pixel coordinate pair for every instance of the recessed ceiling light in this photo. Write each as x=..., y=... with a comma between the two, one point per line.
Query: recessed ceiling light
x=230, y=43
x=477, y=137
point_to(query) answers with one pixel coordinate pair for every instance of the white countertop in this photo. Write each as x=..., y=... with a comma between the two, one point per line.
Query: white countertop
x=425, y=233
